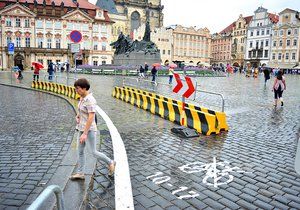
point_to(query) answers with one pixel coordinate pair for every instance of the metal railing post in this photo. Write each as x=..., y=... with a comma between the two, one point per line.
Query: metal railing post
x=46, y=194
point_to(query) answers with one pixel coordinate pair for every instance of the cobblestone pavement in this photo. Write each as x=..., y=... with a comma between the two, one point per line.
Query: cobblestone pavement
x=36, y=131
x=256, y=155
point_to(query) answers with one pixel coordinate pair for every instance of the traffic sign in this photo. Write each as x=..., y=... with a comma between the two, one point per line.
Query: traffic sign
x=188, y=85
x=75, y=48
x=11, y=48
x=75, y=36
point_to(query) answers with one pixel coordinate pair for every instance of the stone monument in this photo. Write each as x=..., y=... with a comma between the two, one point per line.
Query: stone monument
x=128, y=52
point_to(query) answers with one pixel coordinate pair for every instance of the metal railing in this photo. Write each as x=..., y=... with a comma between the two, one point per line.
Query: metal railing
x=156, y=86
x=46, y=194
x=56, y=78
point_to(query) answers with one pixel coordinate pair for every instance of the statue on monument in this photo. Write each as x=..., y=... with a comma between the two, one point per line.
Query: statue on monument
x=147, y=32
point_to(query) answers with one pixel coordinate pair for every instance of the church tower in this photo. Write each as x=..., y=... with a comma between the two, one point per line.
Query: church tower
x=129, y=15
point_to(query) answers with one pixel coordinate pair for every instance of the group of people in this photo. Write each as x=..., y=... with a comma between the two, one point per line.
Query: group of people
x=52, y=67
x=143, y=72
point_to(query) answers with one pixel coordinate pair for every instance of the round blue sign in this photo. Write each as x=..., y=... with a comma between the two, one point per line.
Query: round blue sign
x=75, y=36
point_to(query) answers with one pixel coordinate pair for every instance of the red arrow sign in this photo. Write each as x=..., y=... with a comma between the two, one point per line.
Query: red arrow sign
x=191, y=89
x=179, y=83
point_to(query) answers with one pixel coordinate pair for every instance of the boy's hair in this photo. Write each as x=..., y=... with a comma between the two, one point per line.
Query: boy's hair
x=83, y=83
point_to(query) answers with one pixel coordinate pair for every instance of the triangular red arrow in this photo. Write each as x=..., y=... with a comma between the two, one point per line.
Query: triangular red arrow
x=191, y=89
x=179, y=83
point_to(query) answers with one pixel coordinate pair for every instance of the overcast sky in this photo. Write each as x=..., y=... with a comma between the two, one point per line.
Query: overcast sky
x=217, y=14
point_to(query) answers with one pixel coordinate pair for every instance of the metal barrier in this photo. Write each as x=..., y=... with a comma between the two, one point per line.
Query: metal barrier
x=157, y=87
x=45, y=194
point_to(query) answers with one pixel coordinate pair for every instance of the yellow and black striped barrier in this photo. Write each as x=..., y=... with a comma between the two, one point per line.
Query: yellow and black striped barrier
x=169, y=109
x=221, y=116
x=56, y=88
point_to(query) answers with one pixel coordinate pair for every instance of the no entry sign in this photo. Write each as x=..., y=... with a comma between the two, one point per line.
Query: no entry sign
x=75, y=36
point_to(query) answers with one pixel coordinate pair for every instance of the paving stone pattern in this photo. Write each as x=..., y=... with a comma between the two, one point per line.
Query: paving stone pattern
x=36, y=131
x=261, y=141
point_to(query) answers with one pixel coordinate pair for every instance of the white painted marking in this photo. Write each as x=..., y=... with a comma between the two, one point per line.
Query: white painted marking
x=156, y=174
x=170, y=185
x=297, y=160
x=123, y=189
x=160, y=180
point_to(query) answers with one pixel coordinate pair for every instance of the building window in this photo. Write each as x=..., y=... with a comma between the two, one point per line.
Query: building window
x=8, y=40
x=8, y=22
x=251, y=44
x=287, y=55
x=27, y=23
x=95, y=63
x=95, y=28
x=85, y=27
x=57, y=43
x=251, y=33
x=275, y=33
x=257, y=33
x=274, y=43
x=18, y=22
x=267, y=43
x=40, y=42
x=103, y=29
x=296, y=31
x=48, y=62
x=280, y=43
x=279, y=56
x=48, y=24
x=103, y=62
x=256, y=44
x=69, y=26
x=293, y=56
x=169, y=52
x=41, y=61
x=288, y=42
x=262, y=32
x=268, y=31
x=266, y=53
x=27, y=42
x=289, y=32
x=39, y=24
x=57, y=25
x=242, y=48
x=164, y=52
x=95, y=46
x=273, y=56
x=103, y=46
x=295, y=42
x=18, y=42
x=78, y=26
x=281, y=32
x=49, y=43
x=261, y=44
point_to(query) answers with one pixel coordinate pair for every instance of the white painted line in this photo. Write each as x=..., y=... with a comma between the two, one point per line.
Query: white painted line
x=123, y=190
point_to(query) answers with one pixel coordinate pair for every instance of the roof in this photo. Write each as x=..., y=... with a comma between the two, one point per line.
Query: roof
x=83, y=4
x=274, y=18
x=232, y=25
x=108, y=5
x=286, y=10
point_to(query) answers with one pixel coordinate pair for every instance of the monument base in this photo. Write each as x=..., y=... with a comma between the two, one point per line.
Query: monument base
x=137, y=58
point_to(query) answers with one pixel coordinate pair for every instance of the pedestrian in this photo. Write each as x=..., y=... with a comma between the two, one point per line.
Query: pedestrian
x=255, y=72
x=278, y=87
x=141, y=72
x=146, y=68
x=154, y=72
x=171, y=74
x=36, y=72
x=67, y=67
x=87, y=128
x=50, y=71
x=266, y=74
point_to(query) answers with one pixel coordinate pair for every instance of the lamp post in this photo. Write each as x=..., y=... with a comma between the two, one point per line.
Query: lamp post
x=1, y=44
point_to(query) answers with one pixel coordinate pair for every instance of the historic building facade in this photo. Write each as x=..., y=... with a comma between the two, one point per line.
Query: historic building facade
x=129, y=15
x=191, y=46
x=221, y=48
x=238, y=40
x=259, y=36
x=41, y=32
x=286, y=40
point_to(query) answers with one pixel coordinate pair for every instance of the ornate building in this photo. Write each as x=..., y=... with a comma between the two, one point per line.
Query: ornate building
x=41, y=30
x=259, y=37
x=286, y=40
x=129, y=15
x=221, y=49
x=238, y=35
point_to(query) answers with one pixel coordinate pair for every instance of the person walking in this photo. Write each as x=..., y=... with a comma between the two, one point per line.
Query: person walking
x=154, y=72
x=50, y=71
x=266, y=74
x=146, y=68
x=87, y=128
x=171, y=74
x=278, y=87
x=141, y=72
x=36, y=72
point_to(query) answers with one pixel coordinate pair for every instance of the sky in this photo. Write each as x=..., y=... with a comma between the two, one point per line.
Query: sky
x=218, y=14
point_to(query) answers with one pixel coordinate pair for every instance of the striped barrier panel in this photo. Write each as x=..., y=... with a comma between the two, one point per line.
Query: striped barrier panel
x=56, y=88
x=221, y=116
x=204, y=123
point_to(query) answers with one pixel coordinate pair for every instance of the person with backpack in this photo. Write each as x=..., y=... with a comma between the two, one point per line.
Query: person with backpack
x=50, y=71
x=87, y=128
x=278, y=87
